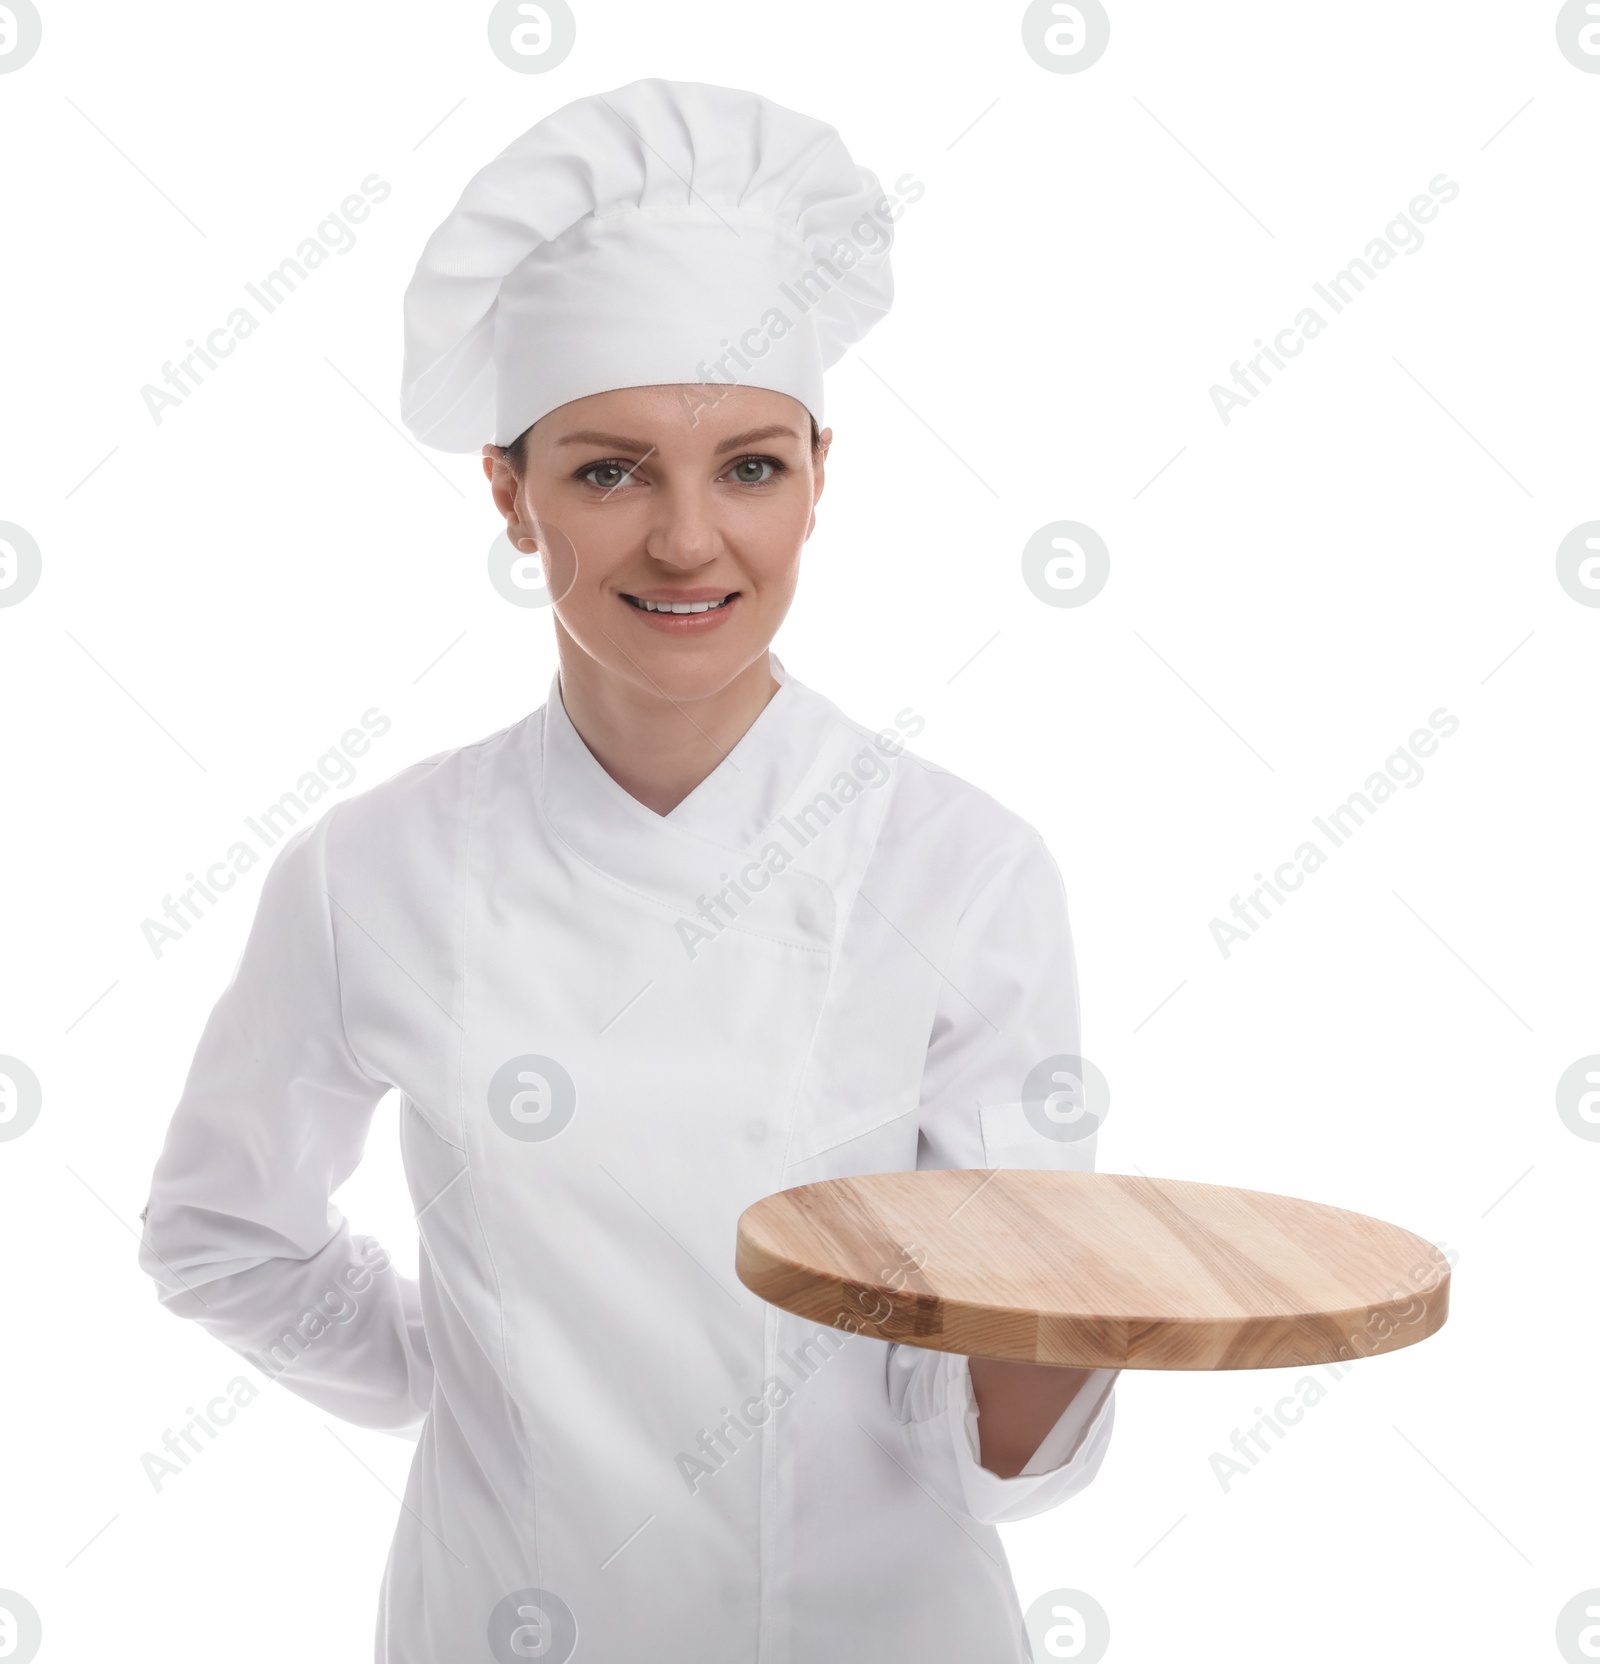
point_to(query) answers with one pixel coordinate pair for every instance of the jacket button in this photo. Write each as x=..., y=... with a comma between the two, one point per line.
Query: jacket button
x=755, y=1130
x=806, y=918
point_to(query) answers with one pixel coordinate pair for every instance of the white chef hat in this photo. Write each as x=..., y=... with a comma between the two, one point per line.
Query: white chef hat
x=664, y=232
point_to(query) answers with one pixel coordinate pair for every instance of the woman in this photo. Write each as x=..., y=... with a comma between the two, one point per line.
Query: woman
x=683, y=936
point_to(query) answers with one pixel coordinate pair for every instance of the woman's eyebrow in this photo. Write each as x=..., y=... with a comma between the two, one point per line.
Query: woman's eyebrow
x=774, y=430
x=589, y=437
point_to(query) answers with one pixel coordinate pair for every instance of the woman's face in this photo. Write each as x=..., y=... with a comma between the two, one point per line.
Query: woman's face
x=648, y=498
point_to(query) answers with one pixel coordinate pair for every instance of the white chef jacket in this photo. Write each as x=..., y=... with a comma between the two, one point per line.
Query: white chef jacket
x=618, y=1444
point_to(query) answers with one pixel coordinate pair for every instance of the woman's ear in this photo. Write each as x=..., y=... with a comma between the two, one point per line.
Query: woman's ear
x=505, y=488
x=819, y=461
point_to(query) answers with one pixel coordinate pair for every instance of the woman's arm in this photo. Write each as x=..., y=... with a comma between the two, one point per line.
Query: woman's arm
x=241, y=1233
x=1005, y=1440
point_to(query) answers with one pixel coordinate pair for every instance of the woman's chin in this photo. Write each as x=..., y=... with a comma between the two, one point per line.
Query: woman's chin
x=685, y=673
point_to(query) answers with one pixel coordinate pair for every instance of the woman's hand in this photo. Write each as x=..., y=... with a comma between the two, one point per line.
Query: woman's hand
x=1018, y=1403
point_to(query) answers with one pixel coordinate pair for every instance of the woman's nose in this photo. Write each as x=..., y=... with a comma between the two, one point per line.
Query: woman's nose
x=685, y=534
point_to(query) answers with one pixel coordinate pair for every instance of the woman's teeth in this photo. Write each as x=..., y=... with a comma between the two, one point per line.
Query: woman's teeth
x=677, y=606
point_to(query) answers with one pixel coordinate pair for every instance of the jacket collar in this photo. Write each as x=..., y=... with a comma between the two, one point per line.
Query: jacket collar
x=796, y=744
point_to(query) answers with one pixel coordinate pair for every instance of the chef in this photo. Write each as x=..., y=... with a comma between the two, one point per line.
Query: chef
x=683, y=936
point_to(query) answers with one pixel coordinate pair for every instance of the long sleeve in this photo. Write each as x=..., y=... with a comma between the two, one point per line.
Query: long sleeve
x=1009, y=1002
x=241, y=1233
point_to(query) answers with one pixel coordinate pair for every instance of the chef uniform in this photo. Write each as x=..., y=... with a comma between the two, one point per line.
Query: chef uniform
x=611, y=1031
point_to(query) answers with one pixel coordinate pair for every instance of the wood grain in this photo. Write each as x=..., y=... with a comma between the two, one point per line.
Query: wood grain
x=1100, y=1270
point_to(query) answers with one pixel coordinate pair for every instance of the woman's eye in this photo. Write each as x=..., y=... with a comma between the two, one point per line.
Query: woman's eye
x=616, y=473
x=748, y=470
x=740, y=469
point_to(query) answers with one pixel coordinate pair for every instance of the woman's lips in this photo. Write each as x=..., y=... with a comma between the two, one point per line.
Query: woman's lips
x=719, y=603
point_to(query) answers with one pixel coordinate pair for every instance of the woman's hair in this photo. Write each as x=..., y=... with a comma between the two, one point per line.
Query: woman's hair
x=516, y=451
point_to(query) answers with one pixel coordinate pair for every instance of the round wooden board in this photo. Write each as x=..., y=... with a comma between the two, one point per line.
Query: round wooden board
x=1102, y=1270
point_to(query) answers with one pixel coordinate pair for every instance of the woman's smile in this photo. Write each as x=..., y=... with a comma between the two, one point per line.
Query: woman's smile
x=681, y=612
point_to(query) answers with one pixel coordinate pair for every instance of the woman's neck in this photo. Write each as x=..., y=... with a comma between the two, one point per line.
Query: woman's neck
x=658, y=749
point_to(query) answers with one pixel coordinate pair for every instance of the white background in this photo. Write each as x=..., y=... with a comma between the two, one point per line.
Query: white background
x=1374, y=538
